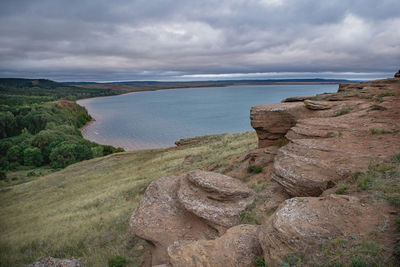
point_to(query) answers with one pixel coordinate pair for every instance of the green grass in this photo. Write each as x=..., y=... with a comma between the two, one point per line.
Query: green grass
x=343, y=111
x=379, y=131
x=352, y=252
x=83, y=210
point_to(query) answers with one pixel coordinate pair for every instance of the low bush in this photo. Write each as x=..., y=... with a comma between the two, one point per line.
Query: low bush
x=254, y=169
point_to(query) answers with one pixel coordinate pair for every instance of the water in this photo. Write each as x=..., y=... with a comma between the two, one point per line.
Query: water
x=158, y=118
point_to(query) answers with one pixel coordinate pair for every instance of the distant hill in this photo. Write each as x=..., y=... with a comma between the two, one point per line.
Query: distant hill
x=47, y=88
x=221, y=82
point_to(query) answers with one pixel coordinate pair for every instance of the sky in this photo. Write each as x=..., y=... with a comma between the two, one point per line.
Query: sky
x=121, y=40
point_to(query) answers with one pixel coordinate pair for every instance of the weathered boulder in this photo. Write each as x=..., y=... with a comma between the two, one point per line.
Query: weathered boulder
x=397, y=74
x=272, y=121
x=317, y=105
x=197, y=206
x=239, y=246
x=161, y=220
x=54, y=262
x=304, y=223
x=216, y=198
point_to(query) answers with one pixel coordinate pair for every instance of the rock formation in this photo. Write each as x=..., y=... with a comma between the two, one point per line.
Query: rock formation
x=306, y=146
x=328, y=145
x=302, y=224
x=397, y=74
x=239, y=246
x=54, y=262
x=197, y=206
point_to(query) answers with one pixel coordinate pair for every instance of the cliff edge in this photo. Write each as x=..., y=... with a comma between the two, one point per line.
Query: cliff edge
x=323, y=187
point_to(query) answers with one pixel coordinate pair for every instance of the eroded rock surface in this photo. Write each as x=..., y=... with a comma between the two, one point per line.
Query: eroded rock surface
x=239, y=246
x=216, y=198
x=302, y=224
x=54, y=262
x=197, y=206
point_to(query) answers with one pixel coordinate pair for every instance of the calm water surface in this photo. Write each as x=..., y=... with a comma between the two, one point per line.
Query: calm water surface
x=159, y=118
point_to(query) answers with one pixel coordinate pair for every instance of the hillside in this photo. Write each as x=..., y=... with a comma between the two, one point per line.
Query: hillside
x=83, y=210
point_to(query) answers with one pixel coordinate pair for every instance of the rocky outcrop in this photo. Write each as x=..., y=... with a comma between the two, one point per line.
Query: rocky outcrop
x=302, y=224
x=54, y=262
x=239, y=246
x=397, y=74
x=197, y=206
x=326, y=145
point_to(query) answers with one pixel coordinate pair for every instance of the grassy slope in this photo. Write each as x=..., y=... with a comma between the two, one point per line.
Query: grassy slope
x=83, y=210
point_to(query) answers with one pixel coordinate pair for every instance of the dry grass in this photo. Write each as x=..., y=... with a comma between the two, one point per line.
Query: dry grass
x=83, y=210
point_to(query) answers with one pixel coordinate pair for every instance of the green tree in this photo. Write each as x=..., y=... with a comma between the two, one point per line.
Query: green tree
x=63, y=155
x=15, y=154
x=8, y=126
x=33, y=156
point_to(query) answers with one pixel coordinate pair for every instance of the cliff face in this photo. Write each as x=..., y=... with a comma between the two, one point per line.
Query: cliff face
x=310, y=150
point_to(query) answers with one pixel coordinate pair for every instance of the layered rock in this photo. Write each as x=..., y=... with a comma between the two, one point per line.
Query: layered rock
x=197, y=206
x=304, y=223
x=54, y=262
x=239, y=246
x=272, y=121
x=328, y=140
x=214, y=197
x=317, y=105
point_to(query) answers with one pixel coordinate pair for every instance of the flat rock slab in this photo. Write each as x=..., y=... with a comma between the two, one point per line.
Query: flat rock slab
x=217, y=198
x=239, y=246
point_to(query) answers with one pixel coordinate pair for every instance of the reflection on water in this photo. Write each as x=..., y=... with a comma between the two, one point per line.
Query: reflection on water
x=159, y=118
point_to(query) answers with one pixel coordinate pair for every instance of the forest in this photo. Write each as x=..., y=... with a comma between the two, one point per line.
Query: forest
x=39, y=126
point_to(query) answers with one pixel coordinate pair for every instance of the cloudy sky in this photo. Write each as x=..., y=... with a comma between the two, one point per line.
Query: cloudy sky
x=103, y=40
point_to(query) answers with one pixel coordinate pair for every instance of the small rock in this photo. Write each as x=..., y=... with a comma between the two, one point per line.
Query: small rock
x=317, y=105
x=54, y=262
x=296, y=99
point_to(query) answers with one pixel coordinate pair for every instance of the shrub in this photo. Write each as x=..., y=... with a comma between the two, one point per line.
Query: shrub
x=3, y=175
x=254, y=169
x=260, y=262
x=117, y=261
x=33, y=157
x=396, y=158
x=15, y=154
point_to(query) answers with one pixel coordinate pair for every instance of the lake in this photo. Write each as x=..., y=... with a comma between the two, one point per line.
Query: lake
x=155, y=119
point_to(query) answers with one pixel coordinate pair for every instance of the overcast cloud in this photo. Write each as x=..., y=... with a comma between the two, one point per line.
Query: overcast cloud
x=97, y=40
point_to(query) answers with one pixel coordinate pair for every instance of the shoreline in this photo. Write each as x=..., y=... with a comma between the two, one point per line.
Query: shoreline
x=128, y=146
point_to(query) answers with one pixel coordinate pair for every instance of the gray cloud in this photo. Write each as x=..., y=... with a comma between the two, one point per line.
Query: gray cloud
x=166, y=39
